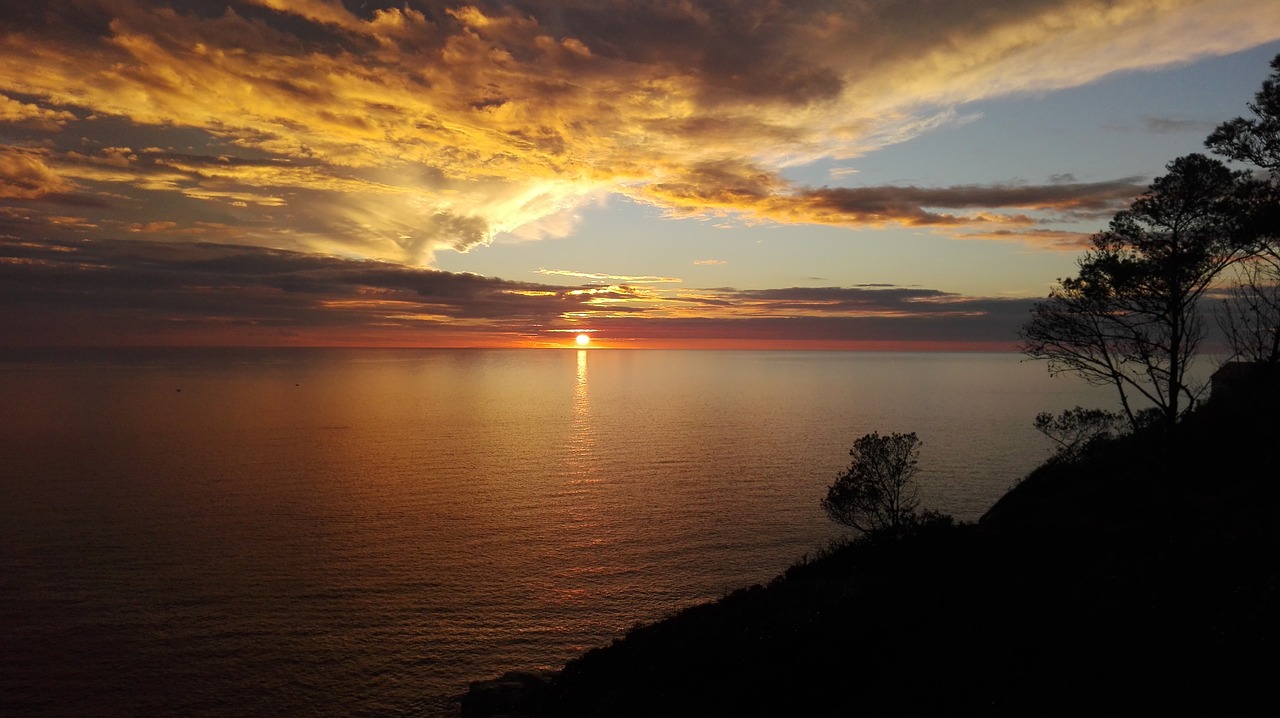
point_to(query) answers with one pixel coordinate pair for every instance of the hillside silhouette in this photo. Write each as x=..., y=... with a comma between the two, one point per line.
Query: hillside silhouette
x=1138, y=578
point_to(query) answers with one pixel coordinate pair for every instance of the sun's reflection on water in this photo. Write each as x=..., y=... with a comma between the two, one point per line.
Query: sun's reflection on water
x=583, y=526
x=582, y=439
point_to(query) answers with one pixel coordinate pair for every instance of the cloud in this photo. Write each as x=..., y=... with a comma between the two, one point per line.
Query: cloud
x=911, y=205
x=884, y=301
x=597, y=277
x=710, y=262
x=978, y=210
x=835, y=332
x=149, y=290
x=25, y=175
x=395, y=130
x=1173, y=125
x=26, y=114
x=95, y=292
x=1050, y=239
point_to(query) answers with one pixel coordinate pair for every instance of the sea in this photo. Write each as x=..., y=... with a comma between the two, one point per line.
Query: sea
x=356, y=532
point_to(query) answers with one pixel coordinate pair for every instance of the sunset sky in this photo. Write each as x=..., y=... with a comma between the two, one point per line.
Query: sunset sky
x=671, y=173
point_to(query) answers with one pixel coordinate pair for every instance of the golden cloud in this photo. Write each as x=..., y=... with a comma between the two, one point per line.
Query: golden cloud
x=598, y=277
x=25, y=175
x=400, y=131
x=30, y=115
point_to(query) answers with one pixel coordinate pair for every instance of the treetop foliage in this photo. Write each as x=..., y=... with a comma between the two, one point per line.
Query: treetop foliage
x=1130, y=318
x=1254, y=140
x=876, y=492
x=1250, y=315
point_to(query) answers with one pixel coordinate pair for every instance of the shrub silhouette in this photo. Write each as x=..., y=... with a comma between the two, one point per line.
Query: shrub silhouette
x=1077, y=431
x=876, y=492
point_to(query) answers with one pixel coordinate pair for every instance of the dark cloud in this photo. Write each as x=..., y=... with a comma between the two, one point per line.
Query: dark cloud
x=887, y=301
x=880, y=297
x=730, y=48
x=1175, y=125
x=909, y=202
x=795, y=52
x=121, y=292
x=993, y=332
x=720, y=184
x=738, y=187
x=153, y=284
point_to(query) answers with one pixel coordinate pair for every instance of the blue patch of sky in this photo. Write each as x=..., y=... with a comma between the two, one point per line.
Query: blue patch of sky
x=1103, y=131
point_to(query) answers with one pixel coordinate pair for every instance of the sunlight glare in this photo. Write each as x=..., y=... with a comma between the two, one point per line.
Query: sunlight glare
x=583, y=340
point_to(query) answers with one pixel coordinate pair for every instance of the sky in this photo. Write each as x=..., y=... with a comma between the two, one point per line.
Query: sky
x=862, y=174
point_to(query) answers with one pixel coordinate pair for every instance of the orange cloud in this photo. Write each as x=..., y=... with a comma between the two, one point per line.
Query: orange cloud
x=24, y=175
x=401, y=131
x=597, y=277
x=31, y=115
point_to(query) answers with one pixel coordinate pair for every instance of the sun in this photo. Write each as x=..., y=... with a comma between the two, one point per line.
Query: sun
x=583, y=339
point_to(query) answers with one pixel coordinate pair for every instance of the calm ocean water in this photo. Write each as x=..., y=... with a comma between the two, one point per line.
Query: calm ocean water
x=362, y=532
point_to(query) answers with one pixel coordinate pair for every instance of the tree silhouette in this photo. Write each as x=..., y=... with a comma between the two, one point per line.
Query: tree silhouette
x=876, y=492
x=1250, y=316
x=1254, y=140
x=1251, y=312
x=1130, y=318
x=1076, y=431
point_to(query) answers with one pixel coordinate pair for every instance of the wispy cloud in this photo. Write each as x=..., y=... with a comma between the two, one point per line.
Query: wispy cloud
x=967, y=211
x=1172, y=125
x=598, y=277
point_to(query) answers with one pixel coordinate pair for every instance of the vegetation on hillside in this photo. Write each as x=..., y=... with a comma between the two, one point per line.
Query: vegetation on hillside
x=1096, y=585
x=877, y=491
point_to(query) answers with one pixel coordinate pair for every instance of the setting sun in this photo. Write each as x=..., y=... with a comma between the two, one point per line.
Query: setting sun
x=583, y=340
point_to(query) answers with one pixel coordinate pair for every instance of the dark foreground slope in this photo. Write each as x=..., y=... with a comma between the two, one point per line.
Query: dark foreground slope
x=1137, y=580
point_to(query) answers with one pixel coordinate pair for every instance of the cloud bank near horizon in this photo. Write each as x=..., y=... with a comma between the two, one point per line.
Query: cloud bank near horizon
x=92, y=293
